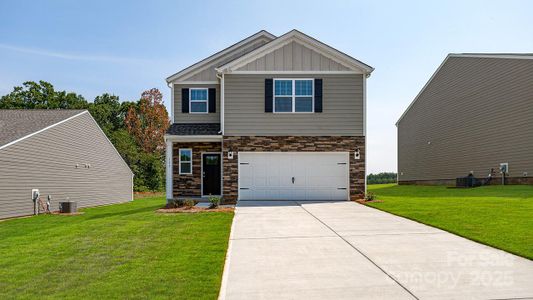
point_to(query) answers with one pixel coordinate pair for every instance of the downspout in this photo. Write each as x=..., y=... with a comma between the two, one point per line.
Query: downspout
x=365, y=76
x=171, y=86
x=221, y=77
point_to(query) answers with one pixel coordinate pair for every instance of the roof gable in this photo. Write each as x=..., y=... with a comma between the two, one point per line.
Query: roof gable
x=204, y=70
x=524, y=56
x=309, y=55
x=18, y=124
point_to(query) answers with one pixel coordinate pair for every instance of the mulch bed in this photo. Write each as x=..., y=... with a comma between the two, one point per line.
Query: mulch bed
x=67, y=214
x=363, y=201
x=193, y=210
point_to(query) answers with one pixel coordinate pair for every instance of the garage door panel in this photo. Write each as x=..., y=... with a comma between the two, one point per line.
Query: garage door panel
x=317, y=175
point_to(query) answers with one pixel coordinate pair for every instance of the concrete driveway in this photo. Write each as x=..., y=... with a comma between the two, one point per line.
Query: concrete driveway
x=344, y=250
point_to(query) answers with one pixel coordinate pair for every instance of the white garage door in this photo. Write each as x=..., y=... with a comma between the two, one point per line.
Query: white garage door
x=293, y=176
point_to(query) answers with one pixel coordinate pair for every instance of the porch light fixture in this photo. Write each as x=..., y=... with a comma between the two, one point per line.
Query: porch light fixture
x=357, y=154
x=230, y=154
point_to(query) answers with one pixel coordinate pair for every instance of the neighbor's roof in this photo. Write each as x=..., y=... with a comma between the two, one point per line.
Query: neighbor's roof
x=465, y=55
x=194, y=129
x=16, y=124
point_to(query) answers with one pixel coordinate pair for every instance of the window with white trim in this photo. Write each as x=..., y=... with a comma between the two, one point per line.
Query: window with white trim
x=185, y=161
x=198, y=101
x=293, y=96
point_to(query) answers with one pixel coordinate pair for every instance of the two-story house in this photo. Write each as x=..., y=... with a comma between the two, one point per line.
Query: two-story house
x=269, y=118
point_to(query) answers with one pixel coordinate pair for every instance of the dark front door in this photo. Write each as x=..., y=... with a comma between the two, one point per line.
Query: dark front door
x=211, y=174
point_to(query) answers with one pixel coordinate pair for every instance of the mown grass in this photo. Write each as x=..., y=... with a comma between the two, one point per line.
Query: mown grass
x=123, y=251
x=499, y=216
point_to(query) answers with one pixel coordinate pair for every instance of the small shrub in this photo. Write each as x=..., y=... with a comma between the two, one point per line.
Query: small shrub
x=370, y=197
x=189, y=203
x=215, y=201
x=176, y=203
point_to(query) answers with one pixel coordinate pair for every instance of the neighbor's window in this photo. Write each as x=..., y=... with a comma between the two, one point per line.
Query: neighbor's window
x=293, y=95
x=198, y=100
x=185, y=162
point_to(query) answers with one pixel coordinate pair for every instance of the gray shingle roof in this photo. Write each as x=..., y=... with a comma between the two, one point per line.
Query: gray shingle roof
x=18, y=123
x=194, y=129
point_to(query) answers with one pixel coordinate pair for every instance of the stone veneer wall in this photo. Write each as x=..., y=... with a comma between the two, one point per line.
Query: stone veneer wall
x=186, y=185
x=292, y=144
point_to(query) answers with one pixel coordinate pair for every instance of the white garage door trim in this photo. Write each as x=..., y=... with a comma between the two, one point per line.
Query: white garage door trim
x=339, y=192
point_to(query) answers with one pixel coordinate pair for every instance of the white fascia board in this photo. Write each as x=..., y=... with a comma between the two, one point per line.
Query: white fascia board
x=197, y=66
x=297, y=72
x=289, y=37
x=194, y=82
x=423, y=89
x=192, y=138
x=41, y=130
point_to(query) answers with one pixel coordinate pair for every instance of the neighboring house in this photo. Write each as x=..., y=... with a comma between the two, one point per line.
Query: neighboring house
x=62, y=153
x=474, y=115
x=269, y=118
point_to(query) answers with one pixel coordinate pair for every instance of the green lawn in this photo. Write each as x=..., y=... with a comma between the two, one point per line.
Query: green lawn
x=123, y=251
x=499, y=216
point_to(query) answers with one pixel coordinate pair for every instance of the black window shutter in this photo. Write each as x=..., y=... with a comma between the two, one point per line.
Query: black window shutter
x=185, y=100
x=318, y=95
x=269, y=88
x=212, y=100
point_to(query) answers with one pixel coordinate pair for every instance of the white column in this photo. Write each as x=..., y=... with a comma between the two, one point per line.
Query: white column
x=168, y=162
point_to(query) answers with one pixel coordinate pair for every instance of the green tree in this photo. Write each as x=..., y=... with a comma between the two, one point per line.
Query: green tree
x=41, y=95
x=384, y=177
x=108, y=112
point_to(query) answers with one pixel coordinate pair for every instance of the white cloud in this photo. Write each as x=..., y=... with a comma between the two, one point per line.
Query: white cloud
x=70, y=56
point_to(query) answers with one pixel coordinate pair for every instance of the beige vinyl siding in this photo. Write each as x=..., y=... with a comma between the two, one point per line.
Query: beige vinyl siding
x=245, y=108
x=293, y=57
x=180, y=117
x=476, y=113
x=207, y=73
x=47, y=161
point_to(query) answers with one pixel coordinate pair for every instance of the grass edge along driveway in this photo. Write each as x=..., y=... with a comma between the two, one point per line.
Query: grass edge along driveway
x=123, y=251
x=498, y=216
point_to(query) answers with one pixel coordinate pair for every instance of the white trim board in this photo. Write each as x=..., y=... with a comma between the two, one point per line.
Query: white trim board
x=195, y=82
x=193, y=138
x=41, y=130
x=297, y=36
x=297, y=72
x=197, y=66
x=63, y=121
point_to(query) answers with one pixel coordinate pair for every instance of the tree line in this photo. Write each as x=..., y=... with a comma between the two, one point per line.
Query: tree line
x=136, y=128
x=385, y=177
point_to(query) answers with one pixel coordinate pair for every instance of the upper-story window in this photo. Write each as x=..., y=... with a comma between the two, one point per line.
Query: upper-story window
x=198, y=101
x=293, y=96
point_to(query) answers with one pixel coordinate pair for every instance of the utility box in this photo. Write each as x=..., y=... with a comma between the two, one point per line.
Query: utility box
x=68, y=207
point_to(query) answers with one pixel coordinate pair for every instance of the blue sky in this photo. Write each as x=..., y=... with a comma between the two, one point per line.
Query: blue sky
x=125, y=47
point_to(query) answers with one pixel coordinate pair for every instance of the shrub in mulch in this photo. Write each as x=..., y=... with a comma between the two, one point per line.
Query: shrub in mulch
x=193, y=209
x=188, y=206
x=367, y=198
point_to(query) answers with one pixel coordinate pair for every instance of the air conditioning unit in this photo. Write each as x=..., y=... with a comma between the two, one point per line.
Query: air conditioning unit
x=68, y=207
